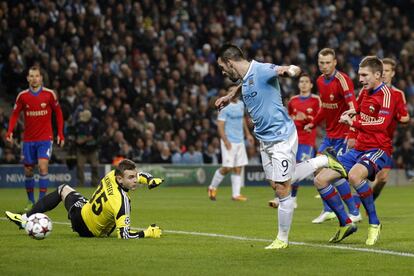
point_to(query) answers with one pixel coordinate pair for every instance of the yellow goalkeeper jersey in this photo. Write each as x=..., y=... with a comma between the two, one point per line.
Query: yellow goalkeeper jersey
x=109, y=208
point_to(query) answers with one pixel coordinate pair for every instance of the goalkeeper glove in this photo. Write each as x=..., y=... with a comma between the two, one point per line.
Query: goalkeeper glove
x=153, y=231
x=147, y=179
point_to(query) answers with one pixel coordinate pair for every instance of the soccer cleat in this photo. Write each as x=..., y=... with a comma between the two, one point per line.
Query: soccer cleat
x=16, y=218
x=324, y=216
x=333, y=163
x=212, y=192
x=356, y=218
x=343, y=232
x=277, y=244
x=239, y=198
x=153, y=231
x=274, y=203
x=29, y=206
x=373, y=234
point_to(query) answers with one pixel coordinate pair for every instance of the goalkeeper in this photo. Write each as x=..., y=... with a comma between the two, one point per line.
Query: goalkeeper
x=107, y=210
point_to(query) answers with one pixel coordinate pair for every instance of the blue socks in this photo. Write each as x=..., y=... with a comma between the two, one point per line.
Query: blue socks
x=43, y=184
x=331, y=197
x=344, y=189
x=29, y=184
x=367, y=199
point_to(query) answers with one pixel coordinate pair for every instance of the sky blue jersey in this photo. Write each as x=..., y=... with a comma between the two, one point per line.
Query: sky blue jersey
x=233, y=116
x=262, y=97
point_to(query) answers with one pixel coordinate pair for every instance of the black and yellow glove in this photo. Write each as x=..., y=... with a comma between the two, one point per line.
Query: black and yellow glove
x=147, y=179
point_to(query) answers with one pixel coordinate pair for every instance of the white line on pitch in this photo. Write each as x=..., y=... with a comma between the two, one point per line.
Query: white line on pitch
x=341, y=247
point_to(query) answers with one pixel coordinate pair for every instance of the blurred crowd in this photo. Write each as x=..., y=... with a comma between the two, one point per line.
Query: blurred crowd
x=146, y=71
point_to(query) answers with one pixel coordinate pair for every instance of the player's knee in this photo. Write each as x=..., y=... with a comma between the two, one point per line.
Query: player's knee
x=64, y=190
x=28, y=171
x=354, y=179
x=319, y=181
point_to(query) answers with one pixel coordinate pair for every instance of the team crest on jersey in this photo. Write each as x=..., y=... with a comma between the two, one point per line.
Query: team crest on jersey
x=43, y=105
x=309, y=109
x=27, y=106
x=371, y=108
x=251, y=81
x=331, y=97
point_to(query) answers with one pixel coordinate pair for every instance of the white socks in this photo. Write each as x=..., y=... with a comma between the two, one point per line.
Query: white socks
x=217, y=178
x=236, y=181
x=285, y=215
x=309, y=167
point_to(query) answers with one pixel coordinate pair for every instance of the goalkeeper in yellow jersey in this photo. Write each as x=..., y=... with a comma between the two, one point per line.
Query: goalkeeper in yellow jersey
x=107, y=210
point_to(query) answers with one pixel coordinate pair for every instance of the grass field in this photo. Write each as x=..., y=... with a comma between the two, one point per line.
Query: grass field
x=213, y=238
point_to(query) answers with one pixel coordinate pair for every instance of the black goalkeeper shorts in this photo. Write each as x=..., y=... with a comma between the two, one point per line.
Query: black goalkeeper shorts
x=74, y=202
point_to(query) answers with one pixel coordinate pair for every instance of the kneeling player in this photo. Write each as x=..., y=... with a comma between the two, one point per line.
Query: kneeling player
x=109, y=207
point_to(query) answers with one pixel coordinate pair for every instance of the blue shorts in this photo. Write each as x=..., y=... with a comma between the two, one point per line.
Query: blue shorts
x=374, y=160
x=304, y=153
x=339, y=145
x=32, y=151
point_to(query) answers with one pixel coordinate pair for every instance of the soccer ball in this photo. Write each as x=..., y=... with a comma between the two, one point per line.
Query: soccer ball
x=38, y=226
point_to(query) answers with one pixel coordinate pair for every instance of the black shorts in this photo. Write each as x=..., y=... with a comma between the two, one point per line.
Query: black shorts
x=74, y=202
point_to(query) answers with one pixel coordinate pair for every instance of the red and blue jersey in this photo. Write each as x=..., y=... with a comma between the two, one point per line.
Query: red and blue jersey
x=400, y=109
x=336, y=93
x=37, y=108
x=310, y=107
x=375, y=114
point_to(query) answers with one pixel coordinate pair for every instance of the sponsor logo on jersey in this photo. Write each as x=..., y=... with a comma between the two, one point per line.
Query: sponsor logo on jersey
x=250, y=96
x=330, y=105
x=43, y=105
x=36, y=113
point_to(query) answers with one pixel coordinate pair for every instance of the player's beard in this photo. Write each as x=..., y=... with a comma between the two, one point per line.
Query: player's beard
x=233, y=76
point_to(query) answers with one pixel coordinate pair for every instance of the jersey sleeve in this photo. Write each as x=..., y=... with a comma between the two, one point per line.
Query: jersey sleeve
x=401, y=105
x=268, y=71
x=18, y=106
x=54, y=103
x=222, y=115
x=123, y=223
x=347, y=89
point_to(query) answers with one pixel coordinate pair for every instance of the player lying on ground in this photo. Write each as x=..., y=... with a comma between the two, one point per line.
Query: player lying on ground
x=109, y=207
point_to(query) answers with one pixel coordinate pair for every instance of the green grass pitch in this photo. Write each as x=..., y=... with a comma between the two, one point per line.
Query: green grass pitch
x=202, y=237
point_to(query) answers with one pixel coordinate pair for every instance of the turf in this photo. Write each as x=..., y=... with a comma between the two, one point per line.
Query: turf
x=191, y=252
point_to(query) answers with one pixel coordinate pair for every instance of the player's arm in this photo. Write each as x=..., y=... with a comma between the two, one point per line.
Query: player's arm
x=317, y=120
x=401, y=113
x=247, y=133
x=13, y=119
x=59, y=120
x=233, y=93
x=222, y=134
x=145, y=178
x=288, y=71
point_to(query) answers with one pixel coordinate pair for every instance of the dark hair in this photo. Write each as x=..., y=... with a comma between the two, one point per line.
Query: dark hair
x=230, y=52
x=124, y=165
x=390, y=61
x=327, y=51
x=373, y=62
x=34, y=68
x=305, y=75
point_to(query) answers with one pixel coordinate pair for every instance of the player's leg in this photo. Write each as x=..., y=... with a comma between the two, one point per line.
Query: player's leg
x=367, y=166
x=379, y=182
x=240, y=160
x=47, y=203
x=342, y=185
x=326, y=213
x=29, y=161
x=227, y=157
x=279, y=170
x=331, y=197
x=44, y=152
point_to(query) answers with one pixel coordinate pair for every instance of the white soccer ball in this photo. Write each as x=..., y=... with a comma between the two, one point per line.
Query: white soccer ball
x=38, y=226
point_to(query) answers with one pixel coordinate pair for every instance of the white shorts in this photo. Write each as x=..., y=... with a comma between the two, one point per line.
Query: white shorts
x=279, y=158
x=235, y=157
